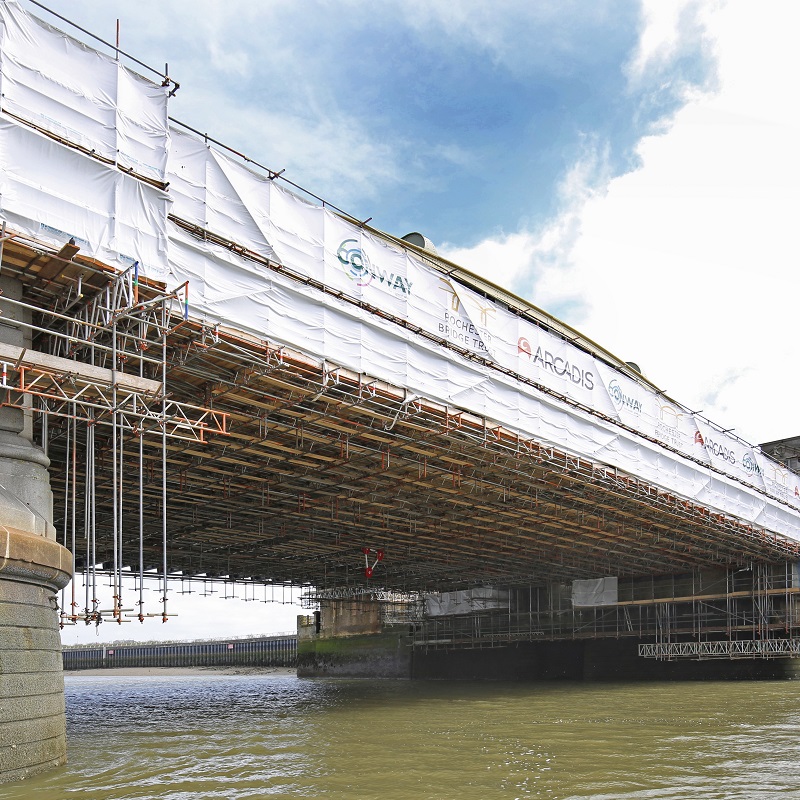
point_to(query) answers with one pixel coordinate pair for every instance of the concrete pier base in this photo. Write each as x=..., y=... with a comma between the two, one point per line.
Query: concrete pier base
x=377, y=655
x=32, y=720
x=347, y=640
x=33, y=567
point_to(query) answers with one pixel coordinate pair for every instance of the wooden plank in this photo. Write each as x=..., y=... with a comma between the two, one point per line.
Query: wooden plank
x=57, y=263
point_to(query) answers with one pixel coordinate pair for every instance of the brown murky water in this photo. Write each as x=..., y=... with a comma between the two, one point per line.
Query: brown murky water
x=269, y=736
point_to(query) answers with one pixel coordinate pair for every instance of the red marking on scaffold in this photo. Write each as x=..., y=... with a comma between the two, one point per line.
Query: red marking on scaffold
x=368, y=570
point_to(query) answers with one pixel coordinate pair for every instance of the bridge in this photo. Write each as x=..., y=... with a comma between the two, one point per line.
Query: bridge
x=220, y=376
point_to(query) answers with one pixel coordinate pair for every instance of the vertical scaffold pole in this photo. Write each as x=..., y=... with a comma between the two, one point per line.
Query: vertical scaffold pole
x=74, y=500
x=93, y=520
x=119, y=524
x=141, y=524
x=115, y=473
x=165, y=322
x=86, y=527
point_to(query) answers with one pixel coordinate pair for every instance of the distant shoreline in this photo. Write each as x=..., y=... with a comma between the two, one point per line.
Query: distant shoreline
x=167, y=672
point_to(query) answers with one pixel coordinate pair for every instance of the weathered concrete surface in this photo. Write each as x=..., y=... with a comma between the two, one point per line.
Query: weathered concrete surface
x=33, y=567
x=32, y=721
x=350, y=618
x=352, y=643
x=377, y=655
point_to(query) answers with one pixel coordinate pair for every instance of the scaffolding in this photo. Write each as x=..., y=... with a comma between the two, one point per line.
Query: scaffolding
x=194, y=450
x=190, y=451
x=98, y=360
x=396, y=608
x=707, y=613
x=742, y=648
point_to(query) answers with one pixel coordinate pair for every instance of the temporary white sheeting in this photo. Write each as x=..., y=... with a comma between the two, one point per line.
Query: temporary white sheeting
x=444, y=604
x=315, y=242
x=214, y=196
x=78, y=94
x=595, y=592
x=495, y=363
x=55, y=193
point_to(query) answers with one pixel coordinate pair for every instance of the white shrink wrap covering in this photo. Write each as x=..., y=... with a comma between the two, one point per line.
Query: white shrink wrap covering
x=595, y=592
x=53, y=192
x=467, y=601
x=87, y=98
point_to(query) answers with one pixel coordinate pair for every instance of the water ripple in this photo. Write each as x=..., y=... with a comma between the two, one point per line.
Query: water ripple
x=268, y=736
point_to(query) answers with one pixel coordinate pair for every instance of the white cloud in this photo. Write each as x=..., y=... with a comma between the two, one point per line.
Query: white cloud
x=661, y=36
x=233, y=62
x=499, y=259
x=688, y=264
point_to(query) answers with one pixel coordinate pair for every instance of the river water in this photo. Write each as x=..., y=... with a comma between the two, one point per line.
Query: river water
x=275, y=736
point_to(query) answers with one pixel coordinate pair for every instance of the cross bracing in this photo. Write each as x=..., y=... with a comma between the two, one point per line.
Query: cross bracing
x=747, y=648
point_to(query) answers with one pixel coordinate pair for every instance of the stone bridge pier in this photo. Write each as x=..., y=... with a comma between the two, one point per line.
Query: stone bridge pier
x=33, y=567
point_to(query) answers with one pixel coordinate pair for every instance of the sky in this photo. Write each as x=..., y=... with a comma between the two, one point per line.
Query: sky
x=630, y=167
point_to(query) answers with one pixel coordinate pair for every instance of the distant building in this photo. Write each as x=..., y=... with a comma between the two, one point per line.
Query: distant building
x=785, y=450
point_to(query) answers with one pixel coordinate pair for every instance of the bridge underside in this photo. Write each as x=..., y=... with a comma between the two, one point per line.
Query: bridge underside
x=318, y=464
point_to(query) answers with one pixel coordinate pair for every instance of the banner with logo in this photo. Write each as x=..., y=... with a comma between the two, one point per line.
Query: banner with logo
x=363, y=266
x=553, y=362
x=779, y=481
x=728, y=454
x=389, y=282
x=342, y=294
x=638, y=407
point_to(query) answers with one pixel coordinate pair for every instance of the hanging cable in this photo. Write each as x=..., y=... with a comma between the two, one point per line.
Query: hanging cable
x=121, y=485
x=87, y=524
x=119, y=524
x=140, y=433
x=67, y=477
